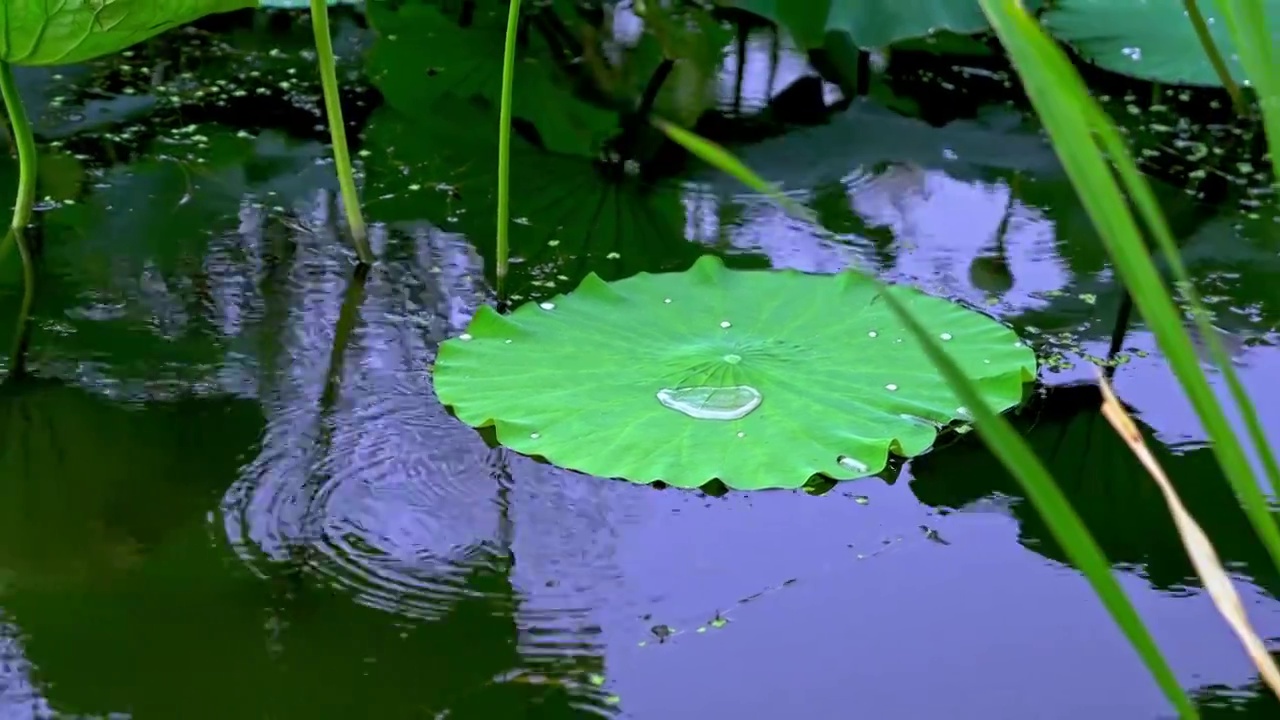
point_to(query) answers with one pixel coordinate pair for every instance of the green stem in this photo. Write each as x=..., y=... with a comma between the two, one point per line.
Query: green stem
x=1215, y=57
x=337, y=130
x=504, y=149
x=21, y=333
x=23, y=205
x=26, y=143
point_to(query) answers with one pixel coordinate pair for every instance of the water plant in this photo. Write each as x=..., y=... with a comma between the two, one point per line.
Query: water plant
x=1108, y=182
x=337, y=131
x=1120, y=204
x=684, y=360
x=38, y=33
x=756, y=378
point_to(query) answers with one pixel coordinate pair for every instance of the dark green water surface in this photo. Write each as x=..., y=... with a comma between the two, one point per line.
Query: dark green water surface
x=227, y=489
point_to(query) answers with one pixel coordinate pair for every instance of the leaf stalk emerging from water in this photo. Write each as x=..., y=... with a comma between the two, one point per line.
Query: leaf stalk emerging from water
x=504, y=149
x=26, y=144
x=337, y=130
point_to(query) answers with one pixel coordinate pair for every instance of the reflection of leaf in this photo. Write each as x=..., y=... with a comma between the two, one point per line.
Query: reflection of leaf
x=38, y=32
x=718, y=374
x=105, y=544
x=121, y=279
x=90, y=486
x=423, y=60
x=1107, y=486
x=866, y=135
x=568, y=217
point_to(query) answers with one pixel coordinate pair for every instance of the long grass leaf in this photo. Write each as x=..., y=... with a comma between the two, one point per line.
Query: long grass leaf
x=1246, y=23
x=1073, y=120
x=1011, y=449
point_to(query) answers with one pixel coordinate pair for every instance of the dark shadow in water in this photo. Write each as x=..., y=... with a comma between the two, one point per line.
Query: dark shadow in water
x=1250, y=702
x=1108, y=487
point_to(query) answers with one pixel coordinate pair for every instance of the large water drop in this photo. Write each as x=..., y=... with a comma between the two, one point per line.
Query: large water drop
x=712, y=403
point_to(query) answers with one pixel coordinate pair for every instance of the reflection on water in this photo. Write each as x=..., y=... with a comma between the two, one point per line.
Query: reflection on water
x=242, y=499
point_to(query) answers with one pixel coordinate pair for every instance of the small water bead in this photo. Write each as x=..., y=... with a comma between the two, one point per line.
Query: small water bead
x=508, y=342
x=712, y=403
x=725, y=324
x=547, y=306
x=733, y=358
x=890, y=387
x=873, y=333
x=667, y=301
x=741, y=434
x=466, y=336
x=534, y=436
x=945, y=336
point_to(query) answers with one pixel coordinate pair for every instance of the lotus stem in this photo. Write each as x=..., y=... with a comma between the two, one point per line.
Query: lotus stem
x=26, y=144
x=22, y=329
x=1215, y=57
x=337, y=131
x=23, y=205
x=504, y=149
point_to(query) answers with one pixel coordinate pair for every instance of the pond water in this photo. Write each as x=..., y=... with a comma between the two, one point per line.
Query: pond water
x=228, y=489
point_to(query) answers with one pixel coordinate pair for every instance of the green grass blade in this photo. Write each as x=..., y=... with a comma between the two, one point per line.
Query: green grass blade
x=1246, y=23
x=504, y=150
x=1215, y=57
x=1076, y=124
x=1067, y=527
x=1000, y=437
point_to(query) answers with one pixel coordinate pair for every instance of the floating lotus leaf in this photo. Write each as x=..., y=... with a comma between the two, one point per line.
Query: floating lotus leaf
x=1149, y=39
x=760, y=379
x=870, y=23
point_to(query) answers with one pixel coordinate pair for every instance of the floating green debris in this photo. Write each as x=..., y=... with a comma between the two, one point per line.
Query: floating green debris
x=774, y=377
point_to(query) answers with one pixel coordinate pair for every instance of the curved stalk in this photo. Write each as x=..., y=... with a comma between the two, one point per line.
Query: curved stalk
x=26, y=143
x=504, y=150
x=23, y=205
x=337, y=130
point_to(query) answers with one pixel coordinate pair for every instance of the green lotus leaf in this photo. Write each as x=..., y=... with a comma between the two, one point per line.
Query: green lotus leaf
x=759, y=379
x=870, y=23
x=39, y=32
x=1150, y=39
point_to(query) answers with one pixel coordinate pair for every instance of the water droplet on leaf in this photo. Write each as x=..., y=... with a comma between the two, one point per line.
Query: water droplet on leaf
x=712, y=403
x=854, y=465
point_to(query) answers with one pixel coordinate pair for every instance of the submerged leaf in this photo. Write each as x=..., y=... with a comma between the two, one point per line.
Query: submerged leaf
x=39, y=32
x=758, y=379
